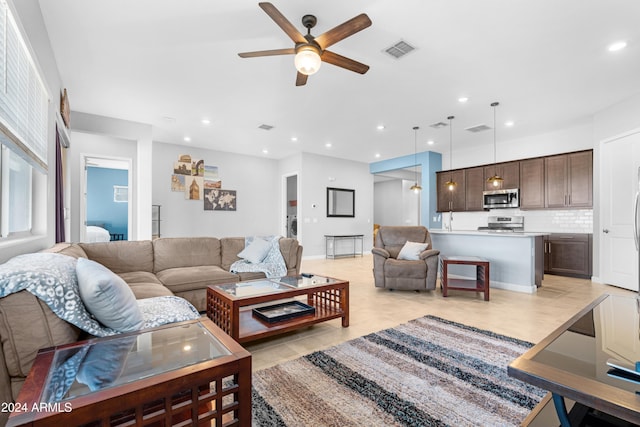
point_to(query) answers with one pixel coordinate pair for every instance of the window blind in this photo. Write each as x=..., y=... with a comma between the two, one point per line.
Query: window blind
x=23, y=97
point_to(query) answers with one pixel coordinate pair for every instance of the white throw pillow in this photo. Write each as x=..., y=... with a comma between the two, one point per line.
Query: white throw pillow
x=256, y=251
x=411, y=251
x=108, y=297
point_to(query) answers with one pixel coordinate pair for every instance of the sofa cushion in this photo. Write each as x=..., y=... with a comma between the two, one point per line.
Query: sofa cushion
x=145, y=284
x=185, y=252
x=108, y=297
x=27, y=324
x=289, y=249
x=230, y=247
x=121, y=256
x=190, y=278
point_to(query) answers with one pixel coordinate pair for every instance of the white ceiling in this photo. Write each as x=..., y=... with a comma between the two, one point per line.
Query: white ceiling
x=545, y=61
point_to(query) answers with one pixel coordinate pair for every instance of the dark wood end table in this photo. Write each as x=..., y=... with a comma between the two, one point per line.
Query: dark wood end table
x=481, y=282
x=187, y=373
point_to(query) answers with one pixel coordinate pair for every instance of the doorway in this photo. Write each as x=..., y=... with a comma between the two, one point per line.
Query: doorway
x=291, y=206
x=106, y=208
x=618, y=187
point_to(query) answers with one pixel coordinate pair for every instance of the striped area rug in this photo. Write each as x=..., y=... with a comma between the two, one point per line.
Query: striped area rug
x=427, y=372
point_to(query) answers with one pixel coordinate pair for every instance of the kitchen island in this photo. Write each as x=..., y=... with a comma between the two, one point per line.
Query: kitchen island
x=517, y=259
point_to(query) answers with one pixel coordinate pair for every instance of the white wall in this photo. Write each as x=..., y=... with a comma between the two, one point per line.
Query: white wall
x=575, y=138
x=395, y=203
x=318, y=173
x=255, y=180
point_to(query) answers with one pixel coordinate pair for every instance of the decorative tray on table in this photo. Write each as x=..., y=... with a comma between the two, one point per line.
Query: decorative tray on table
x=283, y=311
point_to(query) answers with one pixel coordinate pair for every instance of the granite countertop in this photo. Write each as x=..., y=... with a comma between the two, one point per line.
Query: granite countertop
x=487, y=233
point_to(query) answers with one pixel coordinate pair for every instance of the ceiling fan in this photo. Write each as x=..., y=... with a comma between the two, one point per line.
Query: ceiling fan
x=311, y=51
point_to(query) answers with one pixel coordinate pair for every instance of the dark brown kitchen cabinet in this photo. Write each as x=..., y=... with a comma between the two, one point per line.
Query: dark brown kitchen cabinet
x=508, y=171
x=569, y=180
x=532, y=183
x=474, y=184
x=451, y=200
x=568, y=254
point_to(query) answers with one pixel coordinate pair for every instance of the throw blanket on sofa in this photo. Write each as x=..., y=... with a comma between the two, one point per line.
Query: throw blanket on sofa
x=272, y=265
x=52, y=278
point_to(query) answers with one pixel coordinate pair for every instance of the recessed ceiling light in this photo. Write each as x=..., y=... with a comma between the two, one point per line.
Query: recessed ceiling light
x=265, y=151
x=187, y=139
x=430, y=142
x=463, y=99
x=206, y=121
x=614, y=47
x=380, y=127
x=509, y=123
x=328, y=145
x=377, y=155
x=294, y=139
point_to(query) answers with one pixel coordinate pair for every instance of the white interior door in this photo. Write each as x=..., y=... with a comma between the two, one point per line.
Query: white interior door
x=618, y=187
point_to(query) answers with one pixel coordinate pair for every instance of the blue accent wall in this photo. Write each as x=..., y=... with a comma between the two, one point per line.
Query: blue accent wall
x=101, y=209
x=429, y=162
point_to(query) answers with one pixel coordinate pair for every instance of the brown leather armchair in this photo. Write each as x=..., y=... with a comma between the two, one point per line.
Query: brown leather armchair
x=392, y=273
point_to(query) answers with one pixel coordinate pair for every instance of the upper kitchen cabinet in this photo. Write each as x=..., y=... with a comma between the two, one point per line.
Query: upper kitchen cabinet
x=474, y=183
x=451, y=200
x=532, y=183
x=508, y=171
x=569, y=180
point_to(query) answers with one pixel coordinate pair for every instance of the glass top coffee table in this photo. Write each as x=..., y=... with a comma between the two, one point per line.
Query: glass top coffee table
x=231, y=306
x=575, y=362
x=182, y=373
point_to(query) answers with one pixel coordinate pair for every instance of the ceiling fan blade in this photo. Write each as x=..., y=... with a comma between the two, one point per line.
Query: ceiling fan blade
x=344, y=62
x=301, y=79
x=283, y=22
x=343, y=31
x=288, y=51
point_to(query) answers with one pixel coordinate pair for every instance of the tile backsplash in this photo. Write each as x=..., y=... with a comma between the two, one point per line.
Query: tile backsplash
x=548, y=221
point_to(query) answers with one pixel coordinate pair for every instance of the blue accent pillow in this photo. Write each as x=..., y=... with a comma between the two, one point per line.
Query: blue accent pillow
x=108, y=297
x=256, y=251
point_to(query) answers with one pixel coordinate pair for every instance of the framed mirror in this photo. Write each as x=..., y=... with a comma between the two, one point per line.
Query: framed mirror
x=341, y=202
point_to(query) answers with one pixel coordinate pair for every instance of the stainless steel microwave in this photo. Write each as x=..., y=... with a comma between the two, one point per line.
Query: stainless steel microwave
x=496, y=199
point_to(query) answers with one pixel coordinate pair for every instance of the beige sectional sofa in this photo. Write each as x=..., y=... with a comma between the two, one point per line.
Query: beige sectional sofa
x=167, y=266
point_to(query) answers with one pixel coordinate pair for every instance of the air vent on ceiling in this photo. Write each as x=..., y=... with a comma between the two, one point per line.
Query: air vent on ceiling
x=478, y=128
x=265, y=127
x=399, y=49
x=438, y=125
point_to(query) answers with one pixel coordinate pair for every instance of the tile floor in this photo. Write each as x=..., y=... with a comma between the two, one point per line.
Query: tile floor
x=526, y=316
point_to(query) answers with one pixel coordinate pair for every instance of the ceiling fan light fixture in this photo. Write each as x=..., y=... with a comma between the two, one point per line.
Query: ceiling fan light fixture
x=307, y=59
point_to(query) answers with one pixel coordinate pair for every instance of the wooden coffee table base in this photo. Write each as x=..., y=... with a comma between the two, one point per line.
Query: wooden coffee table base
x=234, y=316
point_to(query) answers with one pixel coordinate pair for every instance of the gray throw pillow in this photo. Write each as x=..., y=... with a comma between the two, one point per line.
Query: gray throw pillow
x=108, y=297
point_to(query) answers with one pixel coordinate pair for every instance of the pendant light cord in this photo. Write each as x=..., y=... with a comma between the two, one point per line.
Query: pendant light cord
x=415, y=152
x=495, y=171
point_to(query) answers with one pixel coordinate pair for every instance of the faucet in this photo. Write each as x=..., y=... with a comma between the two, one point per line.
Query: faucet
x=450, y=219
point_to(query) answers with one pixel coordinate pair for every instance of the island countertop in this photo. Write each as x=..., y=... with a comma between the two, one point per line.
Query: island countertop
x=488, y=233
x=516, y=258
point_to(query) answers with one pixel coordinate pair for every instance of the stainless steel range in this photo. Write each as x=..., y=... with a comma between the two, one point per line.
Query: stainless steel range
x=504, y=224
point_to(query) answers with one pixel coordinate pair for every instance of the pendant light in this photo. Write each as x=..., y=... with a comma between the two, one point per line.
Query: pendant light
x=451, y=184
x=415, y=187
x=496, y=179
